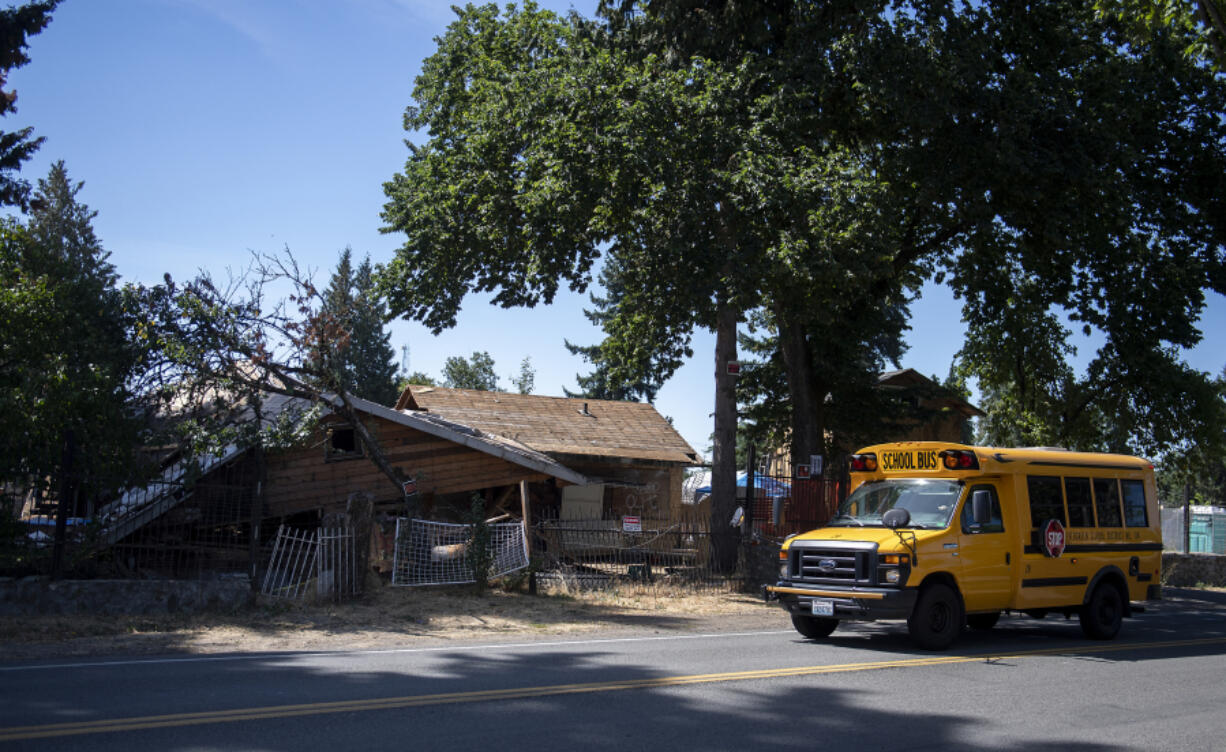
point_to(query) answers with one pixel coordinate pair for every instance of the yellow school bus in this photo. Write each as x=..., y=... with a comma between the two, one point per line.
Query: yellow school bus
x=948, y=535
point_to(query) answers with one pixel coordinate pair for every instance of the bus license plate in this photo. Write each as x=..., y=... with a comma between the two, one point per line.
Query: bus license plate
x=823, y=608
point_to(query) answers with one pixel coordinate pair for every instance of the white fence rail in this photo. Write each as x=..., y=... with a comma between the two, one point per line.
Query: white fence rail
x=323, y=561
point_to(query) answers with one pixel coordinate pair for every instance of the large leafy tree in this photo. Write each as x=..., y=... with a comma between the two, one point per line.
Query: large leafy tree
x=1195, y=471
x=1201, y=23
x=600, y=383
x=1120, y=237
x=519, y=209
x=17, y=24
x=815, y=161
x=476, y=372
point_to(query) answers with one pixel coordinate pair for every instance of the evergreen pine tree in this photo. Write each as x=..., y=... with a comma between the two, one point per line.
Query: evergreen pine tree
x=67, y=352
x=16, y=24
x=358, y=355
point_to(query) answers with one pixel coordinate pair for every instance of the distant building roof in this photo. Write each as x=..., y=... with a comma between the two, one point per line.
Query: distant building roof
x=909, y=377
x=605, y=429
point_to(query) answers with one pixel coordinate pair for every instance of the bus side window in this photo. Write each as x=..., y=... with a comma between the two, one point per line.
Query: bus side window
x=1080, y=505
x=1134, y=503
x=1046, y=500
x=1107, y=502
x=995, y=525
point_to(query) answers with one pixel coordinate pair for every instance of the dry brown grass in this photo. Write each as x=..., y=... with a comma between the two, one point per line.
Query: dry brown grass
x=385, y=617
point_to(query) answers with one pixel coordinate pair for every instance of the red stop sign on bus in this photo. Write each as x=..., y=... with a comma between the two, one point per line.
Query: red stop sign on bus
x=1053, y=538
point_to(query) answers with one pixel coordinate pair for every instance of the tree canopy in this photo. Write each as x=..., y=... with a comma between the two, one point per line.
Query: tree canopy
x=811, y=165
x=17, y=24
x=476, y=372
x=1120, y=237
x=1201, y=23
x=69, y=357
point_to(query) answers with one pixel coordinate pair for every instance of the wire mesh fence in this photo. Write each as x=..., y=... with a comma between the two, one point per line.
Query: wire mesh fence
x=443, y=553
x=604, y=553
x=637, y=535
x=160, y=529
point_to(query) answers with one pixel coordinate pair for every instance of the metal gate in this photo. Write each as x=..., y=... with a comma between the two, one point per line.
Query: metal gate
x=322, y=560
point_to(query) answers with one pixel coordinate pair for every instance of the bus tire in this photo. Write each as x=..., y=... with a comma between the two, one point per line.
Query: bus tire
x=983, y=621
x=937, y=618
x=1102, y=615
x=814, y=627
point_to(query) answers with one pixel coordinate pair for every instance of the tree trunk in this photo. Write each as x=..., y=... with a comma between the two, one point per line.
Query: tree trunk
x=373, y=450
x=256, y=513
x=66, y=499
x=808, y=400
x=724, y=536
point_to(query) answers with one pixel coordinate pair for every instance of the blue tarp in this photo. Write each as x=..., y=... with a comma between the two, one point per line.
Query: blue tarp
x=765, y=487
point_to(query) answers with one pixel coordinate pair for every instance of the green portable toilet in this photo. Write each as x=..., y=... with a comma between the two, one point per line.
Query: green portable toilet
x=1207, y=534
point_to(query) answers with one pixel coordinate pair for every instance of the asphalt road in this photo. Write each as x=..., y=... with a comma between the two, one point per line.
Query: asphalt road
x=1026, y=685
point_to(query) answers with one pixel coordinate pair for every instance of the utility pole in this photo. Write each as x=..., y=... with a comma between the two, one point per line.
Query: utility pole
x=1187, y=518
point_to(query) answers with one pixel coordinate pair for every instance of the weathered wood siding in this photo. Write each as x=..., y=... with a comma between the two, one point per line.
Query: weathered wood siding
x=303, y=479
x=653, y=491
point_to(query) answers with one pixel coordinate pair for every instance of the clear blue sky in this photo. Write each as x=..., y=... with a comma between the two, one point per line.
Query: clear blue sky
x=206, y=129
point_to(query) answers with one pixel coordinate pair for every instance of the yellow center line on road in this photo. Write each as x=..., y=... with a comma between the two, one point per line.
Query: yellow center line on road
x=516, y=693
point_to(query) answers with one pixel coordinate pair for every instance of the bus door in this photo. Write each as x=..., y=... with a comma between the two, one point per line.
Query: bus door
x=987, y=556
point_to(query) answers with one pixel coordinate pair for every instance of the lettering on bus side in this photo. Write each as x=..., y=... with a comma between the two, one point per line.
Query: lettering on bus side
x=897, y=460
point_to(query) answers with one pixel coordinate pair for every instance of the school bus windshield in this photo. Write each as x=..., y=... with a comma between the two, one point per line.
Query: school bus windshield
x=930, y=502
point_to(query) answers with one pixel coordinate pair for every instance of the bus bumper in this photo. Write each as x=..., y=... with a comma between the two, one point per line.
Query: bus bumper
x=864, y=604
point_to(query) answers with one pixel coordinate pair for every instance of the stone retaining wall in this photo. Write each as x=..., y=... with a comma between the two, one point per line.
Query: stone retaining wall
x=1190, y=570
x=38, y=595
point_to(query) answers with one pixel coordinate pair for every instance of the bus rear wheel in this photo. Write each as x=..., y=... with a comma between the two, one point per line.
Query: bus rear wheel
x=814, y=627
x=1103, y=614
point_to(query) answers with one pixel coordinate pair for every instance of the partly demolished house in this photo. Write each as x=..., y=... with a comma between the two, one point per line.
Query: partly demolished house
x=205, y=515
x=526, y=458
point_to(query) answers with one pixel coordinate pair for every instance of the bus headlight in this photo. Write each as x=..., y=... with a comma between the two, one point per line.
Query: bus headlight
x=892, y=576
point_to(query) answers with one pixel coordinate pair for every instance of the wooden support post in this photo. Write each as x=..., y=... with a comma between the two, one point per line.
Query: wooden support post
x=526, y=507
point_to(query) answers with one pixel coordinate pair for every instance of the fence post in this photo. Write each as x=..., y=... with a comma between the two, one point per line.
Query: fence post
x=66, y=499
x=747, y=518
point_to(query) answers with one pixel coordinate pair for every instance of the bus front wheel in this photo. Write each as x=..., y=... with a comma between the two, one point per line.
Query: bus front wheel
x=937, y=618
x=814, y=627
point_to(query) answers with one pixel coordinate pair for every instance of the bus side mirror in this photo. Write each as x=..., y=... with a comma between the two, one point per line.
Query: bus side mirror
x=896, y=518
x=981, y=507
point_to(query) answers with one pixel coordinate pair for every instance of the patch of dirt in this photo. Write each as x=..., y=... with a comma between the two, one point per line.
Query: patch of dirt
x=385, y=617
